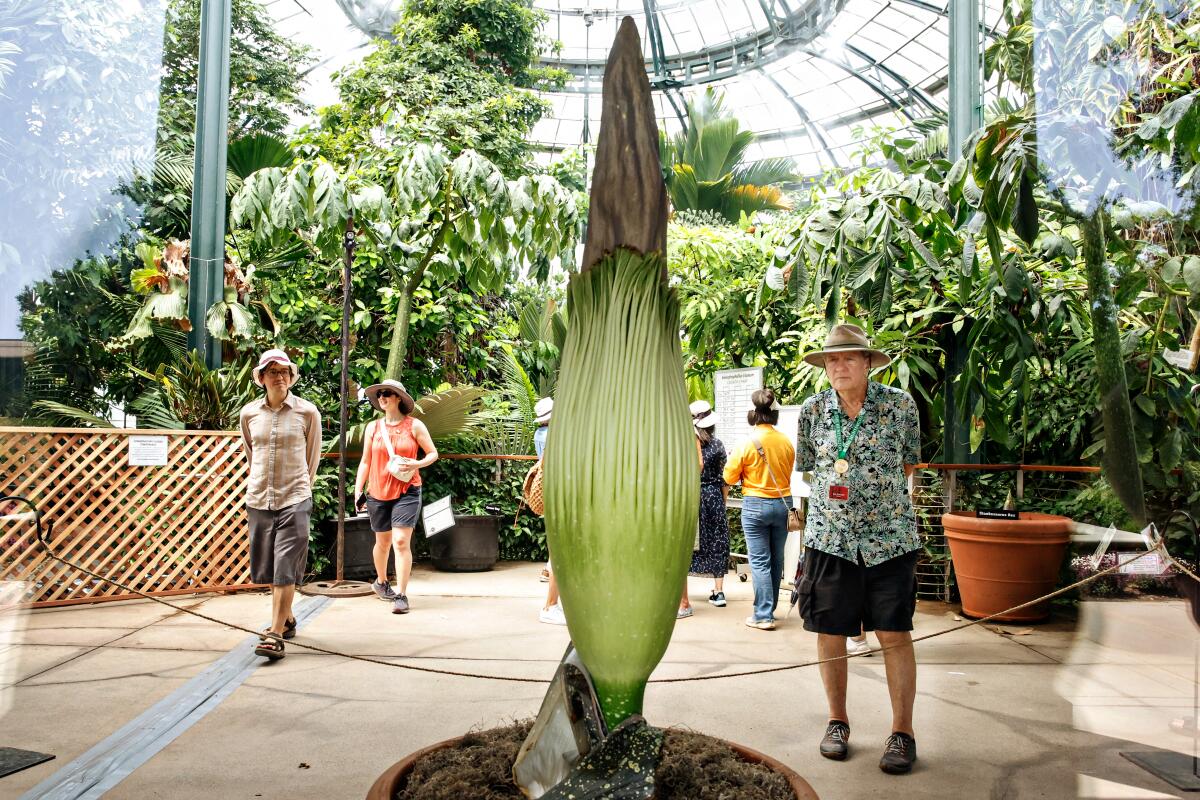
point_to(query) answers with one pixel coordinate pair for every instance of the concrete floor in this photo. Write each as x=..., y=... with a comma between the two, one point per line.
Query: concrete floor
x=1038, y=715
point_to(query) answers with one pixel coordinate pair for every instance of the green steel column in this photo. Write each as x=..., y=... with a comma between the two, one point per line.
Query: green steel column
x=966, y=53
x=207, y=281
x=966, y=116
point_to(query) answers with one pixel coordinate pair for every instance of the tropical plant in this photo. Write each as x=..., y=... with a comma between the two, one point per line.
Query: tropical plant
x=186, y=395
x=459, y=73
x=706, y=169
x=542, y=328
x=450, y=217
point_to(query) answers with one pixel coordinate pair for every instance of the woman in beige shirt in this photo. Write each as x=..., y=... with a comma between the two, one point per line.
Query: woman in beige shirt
x=282, y=437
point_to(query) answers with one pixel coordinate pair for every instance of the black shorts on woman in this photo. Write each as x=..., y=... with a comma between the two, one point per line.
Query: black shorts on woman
x=401, y=512
x=837, y=596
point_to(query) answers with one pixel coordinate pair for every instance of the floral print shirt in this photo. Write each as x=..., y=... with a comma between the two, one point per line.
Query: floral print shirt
x=877, y=520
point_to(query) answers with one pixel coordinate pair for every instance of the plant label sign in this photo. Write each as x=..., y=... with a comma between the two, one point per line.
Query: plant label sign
x=997, y=513
x=437, y=516
x=731, y=392
x=1151, y=564
x=147, y=451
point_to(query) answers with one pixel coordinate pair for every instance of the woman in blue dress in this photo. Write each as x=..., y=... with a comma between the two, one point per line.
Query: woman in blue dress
x=712, y=557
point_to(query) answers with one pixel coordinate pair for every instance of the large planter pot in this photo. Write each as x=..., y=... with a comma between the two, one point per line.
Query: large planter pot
x=471, y=545
x=386, y=786
x=357, y=560
x=1001, y=563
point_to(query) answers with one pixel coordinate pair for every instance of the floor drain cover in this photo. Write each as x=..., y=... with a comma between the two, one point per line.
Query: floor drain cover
x=14, y=760
x=1179, y=770
x=337, y=588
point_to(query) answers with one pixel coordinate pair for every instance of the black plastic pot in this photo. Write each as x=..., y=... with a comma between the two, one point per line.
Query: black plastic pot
x=358, y=563
x=472, y=545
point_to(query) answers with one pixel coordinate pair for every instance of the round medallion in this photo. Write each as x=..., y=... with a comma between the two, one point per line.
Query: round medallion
x=841, y=466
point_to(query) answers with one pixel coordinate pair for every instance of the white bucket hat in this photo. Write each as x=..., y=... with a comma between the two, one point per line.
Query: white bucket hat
x=407, y=404
x=702, y=414
x=846, y=338
x=274, y=357
x=543, y=408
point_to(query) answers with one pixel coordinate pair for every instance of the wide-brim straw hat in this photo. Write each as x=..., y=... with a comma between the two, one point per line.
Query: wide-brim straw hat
x=847, y=338
x=543, y=408
x=407, y=404
x=274, y=357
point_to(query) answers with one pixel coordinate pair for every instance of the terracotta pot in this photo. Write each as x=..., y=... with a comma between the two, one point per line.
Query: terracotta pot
x=1001, y=563
x=388, y=783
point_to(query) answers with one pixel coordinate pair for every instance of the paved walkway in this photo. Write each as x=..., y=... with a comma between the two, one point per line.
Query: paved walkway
x=1043, y=714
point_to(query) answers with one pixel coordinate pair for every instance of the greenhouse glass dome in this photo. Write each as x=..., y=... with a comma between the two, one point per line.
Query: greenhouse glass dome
x=807, y=78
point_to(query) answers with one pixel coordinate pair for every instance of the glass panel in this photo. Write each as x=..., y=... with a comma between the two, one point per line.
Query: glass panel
x=79, y=96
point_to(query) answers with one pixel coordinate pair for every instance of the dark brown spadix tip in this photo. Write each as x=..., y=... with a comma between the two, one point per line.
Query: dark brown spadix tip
x=629, y=200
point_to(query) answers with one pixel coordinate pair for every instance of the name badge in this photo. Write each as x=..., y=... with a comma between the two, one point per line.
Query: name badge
x=839, y=492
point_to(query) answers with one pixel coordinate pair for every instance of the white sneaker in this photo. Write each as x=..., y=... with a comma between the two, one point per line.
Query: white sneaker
x=856, y=647
x=553, y=615
x=761, y=624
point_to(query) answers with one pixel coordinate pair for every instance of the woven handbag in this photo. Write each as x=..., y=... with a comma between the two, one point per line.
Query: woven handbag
x=531, y=490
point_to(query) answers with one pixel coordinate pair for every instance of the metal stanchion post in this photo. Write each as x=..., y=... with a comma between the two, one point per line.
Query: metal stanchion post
x=340, y=587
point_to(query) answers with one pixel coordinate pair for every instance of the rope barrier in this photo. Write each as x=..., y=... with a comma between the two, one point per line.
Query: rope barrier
x=1158, y=547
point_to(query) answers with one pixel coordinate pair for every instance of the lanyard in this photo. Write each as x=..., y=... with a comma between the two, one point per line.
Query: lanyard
x=843, y=449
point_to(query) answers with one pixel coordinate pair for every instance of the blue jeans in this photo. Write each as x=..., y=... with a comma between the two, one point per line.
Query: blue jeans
x=764, y=522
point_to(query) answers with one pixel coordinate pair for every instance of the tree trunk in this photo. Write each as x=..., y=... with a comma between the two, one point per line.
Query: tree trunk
x=1121, y=466
x=399, y=352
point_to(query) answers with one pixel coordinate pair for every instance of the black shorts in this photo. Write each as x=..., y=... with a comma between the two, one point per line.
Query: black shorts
x=839, y=597
x=399, y=513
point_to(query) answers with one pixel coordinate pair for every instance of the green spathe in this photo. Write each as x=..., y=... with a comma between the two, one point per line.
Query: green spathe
x=621, y=481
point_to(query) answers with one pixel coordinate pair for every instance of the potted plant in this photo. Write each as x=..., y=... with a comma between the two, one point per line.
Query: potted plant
x=621, y=501
x=471, y=544
x=1002, y=563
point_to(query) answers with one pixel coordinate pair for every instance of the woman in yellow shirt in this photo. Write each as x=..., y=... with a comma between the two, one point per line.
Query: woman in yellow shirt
x=763, y=465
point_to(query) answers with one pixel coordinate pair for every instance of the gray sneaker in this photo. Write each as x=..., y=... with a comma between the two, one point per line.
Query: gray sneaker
x=383, y=591
x=836, y=744
x=401, y=605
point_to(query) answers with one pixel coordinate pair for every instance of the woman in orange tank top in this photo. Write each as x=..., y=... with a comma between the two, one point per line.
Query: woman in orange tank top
x=390, y=471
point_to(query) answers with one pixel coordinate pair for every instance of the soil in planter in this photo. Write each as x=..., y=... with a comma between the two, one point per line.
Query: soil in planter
x=693, y=767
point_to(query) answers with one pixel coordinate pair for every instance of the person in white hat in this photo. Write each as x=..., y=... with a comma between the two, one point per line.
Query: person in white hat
x=860, y=440
x=712, y=556
x=390, y=473
x=281, y=434
x=551, y=613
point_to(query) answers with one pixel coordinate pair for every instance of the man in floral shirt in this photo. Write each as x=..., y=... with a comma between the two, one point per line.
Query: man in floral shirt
x=860, y=441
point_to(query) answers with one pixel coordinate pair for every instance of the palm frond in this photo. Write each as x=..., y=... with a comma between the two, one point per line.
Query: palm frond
x=249, y=154
x=65, y=416
x=451, y=412
x=767, y=172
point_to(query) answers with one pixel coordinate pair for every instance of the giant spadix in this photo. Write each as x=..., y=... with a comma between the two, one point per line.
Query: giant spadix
x=621, y=482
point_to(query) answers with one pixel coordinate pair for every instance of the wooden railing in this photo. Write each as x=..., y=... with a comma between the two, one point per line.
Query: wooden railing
x=170, y=529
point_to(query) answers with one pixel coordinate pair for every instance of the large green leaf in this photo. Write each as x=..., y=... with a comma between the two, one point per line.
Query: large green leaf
x=249, y=154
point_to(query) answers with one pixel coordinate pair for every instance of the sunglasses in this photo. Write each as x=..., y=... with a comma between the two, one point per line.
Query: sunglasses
x=386, y=393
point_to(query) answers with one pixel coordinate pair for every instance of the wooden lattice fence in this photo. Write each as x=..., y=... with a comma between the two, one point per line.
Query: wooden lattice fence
x=168, y=529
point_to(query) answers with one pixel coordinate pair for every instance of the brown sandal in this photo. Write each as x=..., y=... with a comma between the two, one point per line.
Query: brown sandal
x=269, y=646
x=289, y=628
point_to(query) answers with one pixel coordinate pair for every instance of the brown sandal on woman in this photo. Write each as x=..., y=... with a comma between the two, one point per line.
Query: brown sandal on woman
x=289, y=629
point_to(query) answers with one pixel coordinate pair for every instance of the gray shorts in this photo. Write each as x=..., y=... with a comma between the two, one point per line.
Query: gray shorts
x=279, y=544
x=399, y=513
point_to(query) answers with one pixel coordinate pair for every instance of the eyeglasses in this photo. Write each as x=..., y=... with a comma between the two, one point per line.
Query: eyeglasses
x=386, y=393
x=278, y=373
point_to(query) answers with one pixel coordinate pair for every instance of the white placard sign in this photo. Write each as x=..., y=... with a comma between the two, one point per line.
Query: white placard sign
x=731, y=391
x=1151, y=564
x=437, y=516
x=147, y=451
